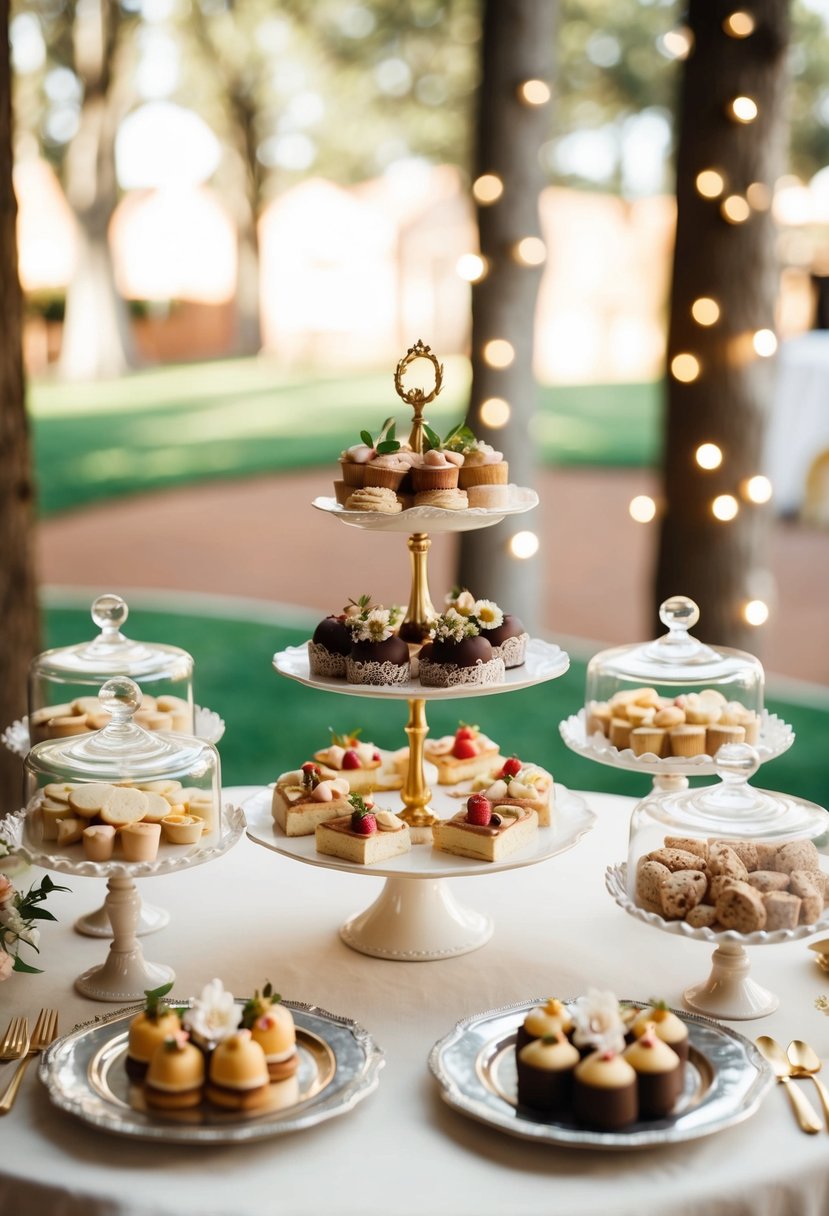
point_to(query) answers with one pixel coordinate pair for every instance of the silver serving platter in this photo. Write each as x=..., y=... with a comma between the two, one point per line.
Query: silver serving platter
x=725, y=1081
x=616, y=883
x=207, y=725
x=776, y=737
x=339, y=1065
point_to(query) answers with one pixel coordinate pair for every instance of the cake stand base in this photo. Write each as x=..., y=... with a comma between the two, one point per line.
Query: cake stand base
x=126, y=975
x=96, y=924
x=729, y=993
x=416, y=920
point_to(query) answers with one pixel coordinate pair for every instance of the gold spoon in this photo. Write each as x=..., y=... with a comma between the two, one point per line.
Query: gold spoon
x=805, y=1062
x=776, y=1056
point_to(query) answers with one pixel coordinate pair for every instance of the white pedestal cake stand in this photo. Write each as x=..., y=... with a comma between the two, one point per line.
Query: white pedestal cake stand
x=208, y=726
x=729, y=992
x=416, y=918
x=125, y=975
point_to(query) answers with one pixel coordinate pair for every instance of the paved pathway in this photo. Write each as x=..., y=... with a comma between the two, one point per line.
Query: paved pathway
x=261, y=538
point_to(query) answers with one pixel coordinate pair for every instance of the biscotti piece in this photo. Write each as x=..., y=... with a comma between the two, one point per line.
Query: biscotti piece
x=723, y=860
x=808, y=884
x=768, y=880
x=766, y=855
x=782, y=910
x=678, y=859
x=740, y=907
x=649, y=878
x=797, y=855
x=703, y=916
x=680, y=892
x=746, y=850
x=700, y=847
x=718, y=884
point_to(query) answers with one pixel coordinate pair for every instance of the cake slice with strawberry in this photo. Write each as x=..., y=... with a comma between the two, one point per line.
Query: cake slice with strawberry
x=304, y=798
x=518, y=784
x=363, y=765
x=463, y=755
x=486, y=831
x=365, y=836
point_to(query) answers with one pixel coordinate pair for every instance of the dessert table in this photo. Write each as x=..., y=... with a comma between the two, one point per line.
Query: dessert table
x=254, y=915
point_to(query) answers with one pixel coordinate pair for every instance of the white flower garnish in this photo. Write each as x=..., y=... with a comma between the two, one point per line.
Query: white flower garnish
x=598, y=1021
x=375, y=627
x=453, y=626
x=464, y=603
x=214, y=1014
x=488, y=613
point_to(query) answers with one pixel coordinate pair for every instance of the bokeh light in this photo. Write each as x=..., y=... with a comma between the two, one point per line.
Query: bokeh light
x=708, y=456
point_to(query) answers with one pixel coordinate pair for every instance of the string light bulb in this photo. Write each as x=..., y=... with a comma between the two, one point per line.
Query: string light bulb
x=495, y=412
x=487, y=189
x=685, y=367
x=642, y=509
x=759, y=196
x=677, y=43
x=735, y=209
x=725, y=507
x=757, y=489
x=739, y=24
x=710, y=183
x=530, y=251
x=743, y=109
x=534, y=93
x=755, y=612
x=708, y=456
x=524, y=545
x=705, y=311
x=471, y=267
x=498, y=353
x=764, y=342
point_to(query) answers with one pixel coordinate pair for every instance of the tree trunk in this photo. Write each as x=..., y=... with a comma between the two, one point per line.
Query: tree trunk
x=517, y=46
x=18, y=602
x=248, y=337
x=97, y=340
x=722, y=564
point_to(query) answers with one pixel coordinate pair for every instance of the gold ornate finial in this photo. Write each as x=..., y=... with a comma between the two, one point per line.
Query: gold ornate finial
x=416, y=397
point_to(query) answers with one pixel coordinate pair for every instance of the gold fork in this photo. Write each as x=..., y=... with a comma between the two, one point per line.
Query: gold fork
x=16, y=1040
x=44, y=1033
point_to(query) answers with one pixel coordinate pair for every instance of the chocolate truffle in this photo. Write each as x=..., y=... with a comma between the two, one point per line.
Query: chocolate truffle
x=605, y=1092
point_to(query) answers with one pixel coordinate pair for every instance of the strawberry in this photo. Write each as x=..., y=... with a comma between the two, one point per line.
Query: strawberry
x=465, y=731
x=512, y=767
x=464, y=749
x=375, y=756
x=478, y=810
x=351, y=759
x=310, y=767
x=364, y=822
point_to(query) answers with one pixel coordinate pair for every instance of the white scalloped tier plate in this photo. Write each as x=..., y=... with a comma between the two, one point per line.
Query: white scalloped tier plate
x=208, y=726
x=432, y=519
x=545, y=661
x=572, y=819
x=776, y=737
x=616, y=883
x=16, y=829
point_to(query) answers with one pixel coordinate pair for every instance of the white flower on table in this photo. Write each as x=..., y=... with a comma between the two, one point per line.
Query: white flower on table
x=598, y=1021
x=214, y=1014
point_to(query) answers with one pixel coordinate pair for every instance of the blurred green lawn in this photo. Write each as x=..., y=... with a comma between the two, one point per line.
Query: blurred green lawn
x=167, y=426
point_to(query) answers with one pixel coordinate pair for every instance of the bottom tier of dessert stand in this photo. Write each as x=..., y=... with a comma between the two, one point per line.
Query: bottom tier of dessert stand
x=729, y=992
x=125, y=975
x=208, y=726
x=417, y=918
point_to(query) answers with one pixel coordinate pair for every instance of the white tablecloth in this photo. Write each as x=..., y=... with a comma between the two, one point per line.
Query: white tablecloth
x=799, y=425
x=254, y=915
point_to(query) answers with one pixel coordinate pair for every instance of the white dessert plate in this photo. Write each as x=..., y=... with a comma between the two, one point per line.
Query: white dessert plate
x=21, y=831
x=544, y=661
x=726, y=1080
x=776, y=737
x=432, y=519
x=616, y=883
x=207, y=726
x=572, y=819
x=339, y=1065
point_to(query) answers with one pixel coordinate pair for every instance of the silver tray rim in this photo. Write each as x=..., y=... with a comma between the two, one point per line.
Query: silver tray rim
x=453, y=1063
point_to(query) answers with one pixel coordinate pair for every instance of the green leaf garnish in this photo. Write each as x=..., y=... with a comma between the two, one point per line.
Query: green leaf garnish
x=433, y=438
x=154, y=1006
x=386, y=446
x=367, y=439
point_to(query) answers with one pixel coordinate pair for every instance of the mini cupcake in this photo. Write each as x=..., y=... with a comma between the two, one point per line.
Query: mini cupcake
x=354, y=461
x=482, y=465
x=688, y=740
x=546, y=1019
x=605, y=1092
x=716, y=736
x=648, y=740
x=659, y=1073
x=619, y=733
x=436, y=470
x=377, y=655
x=458, y=654
x=545, y=1069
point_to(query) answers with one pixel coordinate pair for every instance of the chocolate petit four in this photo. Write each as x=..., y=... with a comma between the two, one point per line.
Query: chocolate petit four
x=605, y=1092
x=659, y=1073
x=666, y=1025
x=458, y=654
x=377, y=655
x=545, y=1073
x=543, y=1020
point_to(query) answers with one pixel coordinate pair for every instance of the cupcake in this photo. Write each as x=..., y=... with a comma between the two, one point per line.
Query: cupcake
x=548, y=1019
x=271, y=1025
x=148, y=1030
x=377, y=655
x=716, y=736
x=605, y=1091
x=545, y=1069
x=353, y=462
x=175, y=1077
x=688, y=740
x=648, y=740
x=666, y=1025
x=436, y=470
x=387, y=471
x=238, y=1076
x=458, y=654
x=483, y=466
x=659, y=1074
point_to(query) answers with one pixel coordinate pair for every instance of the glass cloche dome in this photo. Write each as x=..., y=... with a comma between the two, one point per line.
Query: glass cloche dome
x=64, y=682
x=131, y=782
x=675, y=695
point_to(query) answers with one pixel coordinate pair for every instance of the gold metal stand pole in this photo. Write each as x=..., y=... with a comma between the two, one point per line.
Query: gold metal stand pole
x=420, y=612
x=416, y=793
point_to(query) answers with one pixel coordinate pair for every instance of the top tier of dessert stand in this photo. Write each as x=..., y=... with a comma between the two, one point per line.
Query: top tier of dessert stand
x=422, y=921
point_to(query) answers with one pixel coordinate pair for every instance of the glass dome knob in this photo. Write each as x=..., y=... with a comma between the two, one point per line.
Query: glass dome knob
x=109, y=612
x=120, y=697
x=679, y=613
x=736, y=763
